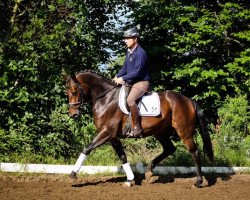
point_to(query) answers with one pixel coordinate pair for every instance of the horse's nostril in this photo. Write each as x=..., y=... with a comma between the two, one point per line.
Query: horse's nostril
x=74, y=116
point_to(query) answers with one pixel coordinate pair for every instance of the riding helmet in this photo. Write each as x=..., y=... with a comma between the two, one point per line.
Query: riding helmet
x=132, y=32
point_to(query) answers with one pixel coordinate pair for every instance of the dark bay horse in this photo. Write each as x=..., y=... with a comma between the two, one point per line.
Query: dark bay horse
x=178, y=114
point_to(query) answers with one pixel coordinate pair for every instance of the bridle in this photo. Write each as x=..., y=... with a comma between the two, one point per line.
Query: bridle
x=82, y=93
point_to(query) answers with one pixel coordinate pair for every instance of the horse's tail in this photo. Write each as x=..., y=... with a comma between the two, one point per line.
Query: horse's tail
x=203, y=124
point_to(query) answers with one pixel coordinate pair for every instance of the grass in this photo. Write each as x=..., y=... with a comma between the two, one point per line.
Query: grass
x=140, y=150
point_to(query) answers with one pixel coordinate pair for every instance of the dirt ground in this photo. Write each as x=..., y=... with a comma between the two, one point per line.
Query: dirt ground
x=51, y=187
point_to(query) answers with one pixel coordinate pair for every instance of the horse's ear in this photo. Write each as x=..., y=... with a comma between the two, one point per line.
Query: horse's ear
x=73, y=76
x=64, y=77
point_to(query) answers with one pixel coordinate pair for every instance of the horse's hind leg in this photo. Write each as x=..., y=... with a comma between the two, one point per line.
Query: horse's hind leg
x=168, y=149
x=197, y=159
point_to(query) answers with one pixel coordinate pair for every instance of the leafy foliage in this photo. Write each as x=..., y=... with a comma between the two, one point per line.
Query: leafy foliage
x=234, y=122
x=42, y=41
x=198, y=48
x=233, y=131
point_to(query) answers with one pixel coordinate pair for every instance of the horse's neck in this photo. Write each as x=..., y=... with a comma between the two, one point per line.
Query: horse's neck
x=98, y=84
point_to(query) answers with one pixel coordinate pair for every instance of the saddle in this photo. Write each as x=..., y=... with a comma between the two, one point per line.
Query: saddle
x=149, y=104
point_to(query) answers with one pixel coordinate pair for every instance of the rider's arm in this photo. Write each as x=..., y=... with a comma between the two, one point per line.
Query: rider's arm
x=123, y=70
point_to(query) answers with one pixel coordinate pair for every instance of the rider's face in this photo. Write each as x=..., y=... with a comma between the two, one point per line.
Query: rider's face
x=130, y=42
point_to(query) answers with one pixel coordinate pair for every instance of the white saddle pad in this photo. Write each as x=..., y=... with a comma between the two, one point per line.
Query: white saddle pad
x=148, y=106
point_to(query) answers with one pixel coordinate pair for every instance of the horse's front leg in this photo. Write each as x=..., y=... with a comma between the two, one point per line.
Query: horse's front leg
x=100, y=139
x=117, y=145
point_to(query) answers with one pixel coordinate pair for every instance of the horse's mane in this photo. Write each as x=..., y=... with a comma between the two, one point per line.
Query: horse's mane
x=97, y=74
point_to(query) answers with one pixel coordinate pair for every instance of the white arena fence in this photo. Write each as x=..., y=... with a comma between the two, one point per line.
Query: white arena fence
x=138, y=168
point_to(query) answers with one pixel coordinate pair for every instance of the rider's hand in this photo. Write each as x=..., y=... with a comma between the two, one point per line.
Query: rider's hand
x=118, y=80
x=114, y=79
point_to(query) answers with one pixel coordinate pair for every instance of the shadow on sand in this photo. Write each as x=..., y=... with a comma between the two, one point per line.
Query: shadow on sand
x=140, y=179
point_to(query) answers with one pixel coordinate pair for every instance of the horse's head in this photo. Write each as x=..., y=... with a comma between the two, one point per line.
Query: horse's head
x=77, y=93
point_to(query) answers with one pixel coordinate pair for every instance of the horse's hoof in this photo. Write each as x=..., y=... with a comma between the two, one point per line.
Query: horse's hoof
x=198, y=184
x=128, y=184
x=148, y=175
x=73, y=175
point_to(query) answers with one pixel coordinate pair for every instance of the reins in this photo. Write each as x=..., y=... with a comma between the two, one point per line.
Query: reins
x=80, y=103
x=101, y=95
x=82, y=93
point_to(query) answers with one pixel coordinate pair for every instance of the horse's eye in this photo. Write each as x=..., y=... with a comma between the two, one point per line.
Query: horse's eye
x=74, y=93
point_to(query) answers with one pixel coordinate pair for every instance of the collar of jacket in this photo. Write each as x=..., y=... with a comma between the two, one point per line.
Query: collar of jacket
x=132, y=50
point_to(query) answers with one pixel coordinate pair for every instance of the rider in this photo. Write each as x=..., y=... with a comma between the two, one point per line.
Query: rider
x=134, y=73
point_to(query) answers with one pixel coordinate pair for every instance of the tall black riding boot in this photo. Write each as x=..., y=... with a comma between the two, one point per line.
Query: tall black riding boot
x=136, y=130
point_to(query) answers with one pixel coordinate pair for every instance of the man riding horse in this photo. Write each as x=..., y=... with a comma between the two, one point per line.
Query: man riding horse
x=178, y=113
x=134, y=73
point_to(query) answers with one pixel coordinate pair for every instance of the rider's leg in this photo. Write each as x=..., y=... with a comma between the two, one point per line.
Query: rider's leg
x=138, y=89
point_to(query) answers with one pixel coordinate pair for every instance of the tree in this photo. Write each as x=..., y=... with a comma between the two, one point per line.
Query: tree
x=198, y=48
x=40, y=42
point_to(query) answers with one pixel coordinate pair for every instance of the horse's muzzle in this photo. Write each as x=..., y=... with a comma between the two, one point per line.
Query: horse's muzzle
x=75, y=115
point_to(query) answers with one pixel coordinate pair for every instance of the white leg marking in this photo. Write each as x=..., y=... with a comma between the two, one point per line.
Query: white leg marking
x=79, y=162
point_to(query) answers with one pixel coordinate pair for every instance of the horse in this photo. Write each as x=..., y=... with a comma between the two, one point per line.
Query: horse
x=178, y=114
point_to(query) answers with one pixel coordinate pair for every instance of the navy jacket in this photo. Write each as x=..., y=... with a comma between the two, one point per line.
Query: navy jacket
x=135, y=67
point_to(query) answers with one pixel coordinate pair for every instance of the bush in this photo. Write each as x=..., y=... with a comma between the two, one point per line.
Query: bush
x=231, y=142
x=45, y=139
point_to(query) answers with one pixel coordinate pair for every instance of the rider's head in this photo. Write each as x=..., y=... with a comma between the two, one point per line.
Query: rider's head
x=131, y=37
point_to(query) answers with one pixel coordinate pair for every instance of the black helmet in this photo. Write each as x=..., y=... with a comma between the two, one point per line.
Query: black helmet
x=132, y=32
